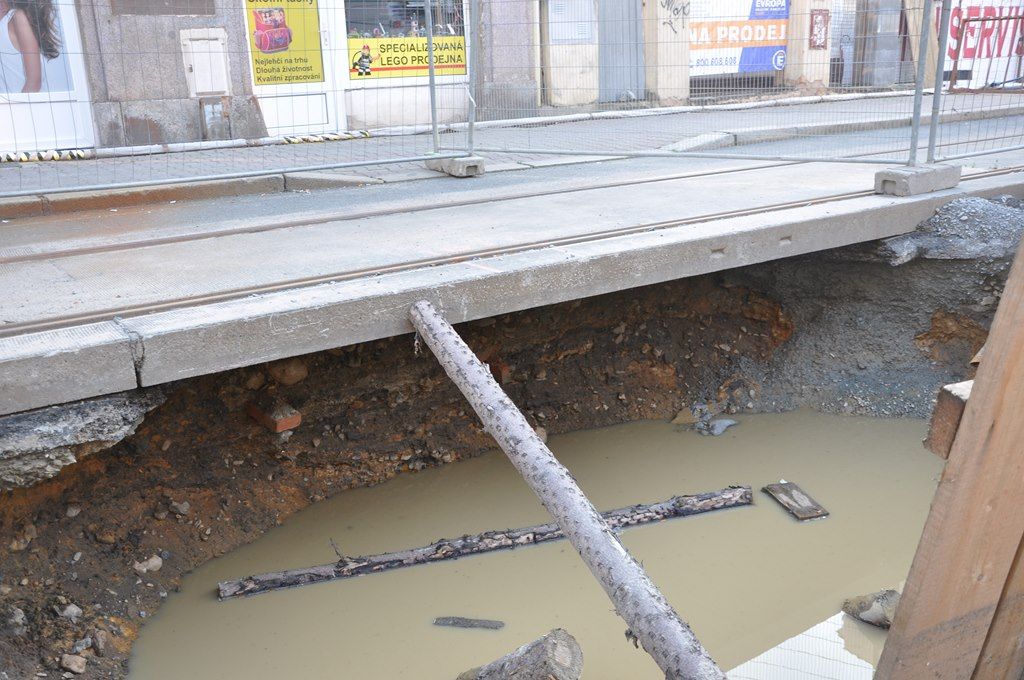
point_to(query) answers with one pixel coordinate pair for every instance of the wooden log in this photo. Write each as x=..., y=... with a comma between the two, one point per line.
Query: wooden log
x=454, y=548
x=664, y=635
x=555, y=656
x=949, y=409
x=959, y=616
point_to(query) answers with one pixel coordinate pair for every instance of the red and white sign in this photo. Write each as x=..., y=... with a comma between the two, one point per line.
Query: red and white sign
x=986, y=43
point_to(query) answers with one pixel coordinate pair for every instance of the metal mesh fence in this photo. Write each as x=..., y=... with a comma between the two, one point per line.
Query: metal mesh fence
x=127, y=92
x=143, y=91
x=800, y=80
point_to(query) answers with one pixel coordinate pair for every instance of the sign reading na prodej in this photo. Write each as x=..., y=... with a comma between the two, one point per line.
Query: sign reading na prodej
x=737, y=36
x=284, y=40
x=405, y=57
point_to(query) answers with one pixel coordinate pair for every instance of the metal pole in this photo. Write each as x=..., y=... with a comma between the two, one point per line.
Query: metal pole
x=472, y=44
x=940, y=72
x=915, y=128
x=428, y=12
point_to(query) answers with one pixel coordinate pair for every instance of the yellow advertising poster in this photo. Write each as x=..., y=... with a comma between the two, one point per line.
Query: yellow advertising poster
x=405, y=57
x=284, y=39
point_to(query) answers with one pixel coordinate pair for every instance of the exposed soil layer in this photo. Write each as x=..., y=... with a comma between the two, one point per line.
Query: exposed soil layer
x=842, y=333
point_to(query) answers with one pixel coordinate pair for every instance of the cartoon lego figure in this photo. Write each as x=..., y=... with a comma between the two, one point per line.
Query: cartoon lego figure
x=362, y=62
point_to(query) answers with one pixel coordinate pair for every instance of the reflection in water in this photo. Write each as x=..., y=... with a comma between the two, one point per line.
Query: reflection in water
x=862, y=639
x=838, y=648
x=747, y=579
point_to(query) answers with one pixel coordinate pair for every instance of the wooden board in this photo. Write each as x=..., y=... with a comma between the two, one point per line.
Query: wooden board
x=946, y=416
x=964, y=588
x=916, y=13
x=796, y=500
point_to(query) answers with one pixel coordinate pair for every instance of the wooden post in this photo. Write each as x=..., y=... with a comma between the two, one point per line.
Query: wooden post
x=665, y=636
x=966, y=586
x=949, y=410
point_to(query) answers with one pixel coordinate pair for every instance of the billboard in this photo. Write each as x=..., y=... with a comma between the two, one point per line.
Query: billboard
x=737, y=36
x=284, y=41
x=404, y=57
x=42, y=63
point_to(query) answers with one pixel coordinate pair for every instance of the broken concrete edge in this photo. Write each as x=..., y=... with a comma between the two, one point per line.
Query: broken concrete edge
x=949, y=410
x=46, y=368
x=917, y=179
x=34, y=445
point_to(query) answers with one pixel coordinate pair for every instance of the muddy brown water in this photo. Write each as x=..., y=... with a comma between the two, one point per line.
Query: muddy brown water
x=747, y=579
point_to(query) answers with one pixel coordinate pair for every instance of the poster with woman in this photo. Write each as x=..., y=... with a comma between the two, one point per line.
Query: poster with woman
x=32, y=54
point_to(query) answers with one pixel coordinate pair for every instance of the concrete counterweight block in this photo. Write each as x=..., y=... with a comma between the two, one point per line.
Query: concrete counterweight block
x=916, y=180
x=466, y=166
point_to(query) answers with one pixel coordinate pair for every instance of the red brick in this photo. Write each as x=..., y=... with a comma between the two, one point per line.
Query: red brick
x=273, y=413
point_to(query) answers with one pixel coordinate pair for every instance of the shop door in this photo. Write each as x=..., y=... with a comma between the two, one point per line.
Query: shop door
x=293, y=49
x=53, y=111
x=620, y=50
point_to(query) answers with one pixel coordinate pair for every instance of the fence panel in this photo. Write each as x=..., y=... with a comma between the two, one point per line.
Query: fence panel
x=742, y=78
x=125, y=92
x=133, y=92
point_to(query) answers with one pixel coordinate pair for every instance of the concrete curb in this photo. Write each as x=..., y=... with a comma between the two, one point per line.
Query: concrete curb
x=722, y=139
x=58, y=203
x=311, y=181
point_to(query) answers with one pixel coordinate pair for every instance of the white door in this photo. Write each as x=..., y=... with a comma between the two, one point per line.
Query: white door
x=58, y=115
x=292, y=69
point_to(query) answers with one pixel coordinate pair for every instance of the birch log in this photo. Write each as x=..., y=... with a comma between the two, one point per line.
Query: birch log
x=489, y=541
x=664, y=635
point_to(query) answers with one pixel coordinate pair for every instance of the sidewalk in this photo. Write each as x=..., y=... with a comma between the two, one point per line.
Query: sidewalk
x=517, y=145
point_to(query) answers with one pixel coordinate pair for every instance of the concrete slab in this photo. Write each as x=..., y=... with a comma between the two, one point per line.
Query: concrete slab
x=53, y=367
x=213, y=303
x=199, y=340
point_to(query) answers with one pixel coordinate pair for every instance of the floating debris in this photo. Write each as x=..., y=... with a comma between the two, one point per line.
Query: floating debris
x=794, y=499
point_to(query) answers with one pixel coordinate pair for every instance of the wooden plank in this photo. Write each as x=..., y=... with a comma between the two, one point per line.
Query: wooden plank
x=946, y=417
x=915, y=13
x=1002, y=656
x=796, y=500
x=975, y=525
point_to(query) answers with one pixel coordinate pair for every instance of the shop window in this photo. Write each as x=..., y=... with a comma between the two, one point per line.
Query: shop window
x=387, y=39
x=402, y=18
x=164, y=7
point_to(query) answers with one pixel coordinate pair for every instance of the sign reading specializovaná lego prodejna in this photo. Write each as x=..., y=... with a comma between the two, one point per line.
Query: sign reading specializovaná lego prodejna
x=284, y=40
x=404, y=57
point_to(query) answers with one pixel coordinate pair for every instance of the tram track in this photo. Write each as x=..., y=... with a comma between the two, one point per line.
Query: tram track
x=128, y=311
